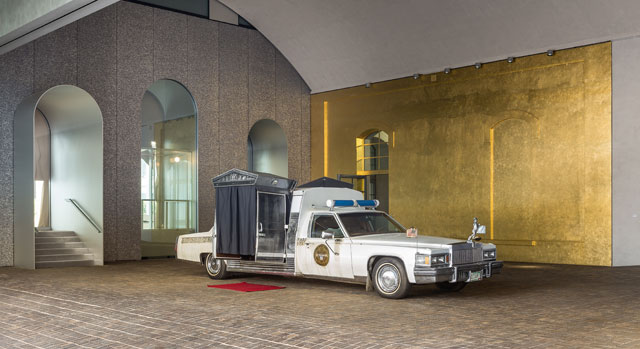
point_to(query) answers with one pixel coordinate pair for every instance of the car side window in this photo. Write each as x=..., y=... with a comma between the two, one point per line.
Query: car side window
x=326, y=223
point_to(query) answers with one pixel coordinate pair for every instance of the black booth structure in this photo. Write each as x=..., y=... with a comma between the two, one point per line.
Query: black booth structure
x=252, y=212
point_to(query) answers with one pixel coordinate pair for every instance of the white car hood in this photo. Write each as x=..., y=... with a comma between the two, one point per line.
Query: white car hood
x=401, y=239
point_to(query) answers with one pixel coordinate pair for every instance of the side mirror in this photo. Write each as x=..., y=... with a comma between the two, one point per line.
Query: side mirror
x=482, y=230
x=327, y=235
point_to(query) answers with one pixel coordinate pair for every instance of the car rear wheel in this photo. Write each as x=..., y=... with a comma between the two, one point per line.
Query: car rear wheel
x=451, y=287
x=390, y=279
x=216, y=268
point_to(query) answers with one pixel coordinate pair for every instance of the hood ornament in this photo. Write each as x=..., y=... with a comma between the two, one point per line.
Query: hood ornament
x=477, y=229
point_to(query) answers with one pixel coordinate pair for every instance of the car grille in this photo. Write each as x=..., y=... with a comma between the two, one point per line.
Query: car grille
x=467, y=255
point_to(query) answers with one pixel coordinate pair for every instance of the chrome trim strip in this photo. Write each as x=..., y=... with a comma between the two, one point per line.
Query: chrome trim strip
x=262, y=267
x=427, y=275
x=356, y=280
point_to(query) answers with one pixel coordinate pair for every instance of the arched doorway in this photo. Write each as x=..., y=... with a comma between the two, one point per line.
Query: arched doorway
x=267, y=148
x=372, y=164
x=58, y=179
x=169, y=167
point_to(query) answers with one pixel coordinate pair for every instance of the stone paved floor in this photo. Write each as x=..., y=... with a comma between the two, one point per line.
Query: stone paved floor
x=166, y=304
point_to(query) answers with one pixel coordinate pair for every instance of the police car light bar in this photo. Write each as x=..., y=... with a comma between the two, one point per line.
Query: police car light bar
x=341, y=203
x=353, y=203
x=368, y=203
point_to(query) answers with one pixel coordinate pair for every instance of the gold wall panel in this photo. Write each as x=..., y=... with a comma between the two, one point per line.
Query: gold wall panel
x=524, y=146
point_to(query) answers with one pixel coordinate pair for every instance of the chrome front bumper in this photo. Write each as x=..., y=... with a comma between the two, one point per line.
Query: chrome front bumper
x=458, y=273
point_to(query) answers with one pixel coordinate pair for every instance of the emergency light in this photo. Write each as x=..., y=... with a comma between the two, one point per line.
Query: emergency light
x=353, y=203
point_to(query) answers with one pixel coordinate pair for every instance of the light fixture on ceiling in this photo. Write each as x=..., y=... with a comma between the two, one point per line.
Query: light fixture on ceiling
x=416, y=76
x=367, y=85
x=447, y=70
x=550, y=53
x=510, y=59
x=478, y=65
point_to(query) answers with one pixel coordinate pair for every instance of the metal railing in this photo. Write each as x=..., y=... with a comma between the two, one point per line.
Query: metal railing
x=85, y=214
x=169, y=218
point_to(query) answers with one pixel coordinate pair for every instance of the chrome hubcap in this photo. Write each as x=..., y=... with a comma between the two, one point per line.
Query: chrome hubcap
x=388, y=278
x=213, y=265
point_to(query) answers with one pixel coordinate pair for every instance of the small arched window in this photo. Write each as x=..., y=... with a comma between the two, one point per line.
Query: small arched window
x=267, y=148
x=373, y=153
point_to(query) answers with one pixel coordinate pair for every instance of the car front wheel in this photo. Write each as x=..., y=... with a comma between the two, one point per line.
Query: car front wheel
x=216, y=268
x=390, y=279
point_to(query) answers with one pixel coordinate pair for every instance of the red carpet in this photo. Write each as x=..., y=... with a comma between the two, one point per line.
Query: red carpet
x=246, y=287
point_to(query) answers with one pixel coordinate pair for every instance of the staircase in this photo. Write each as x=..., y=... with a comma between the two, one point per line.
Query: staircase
x=56, y=248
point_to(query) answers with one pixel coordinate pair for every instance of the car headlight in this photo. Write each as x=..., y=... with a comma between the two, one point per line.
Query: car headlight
x=432, y=260
x=490, y=254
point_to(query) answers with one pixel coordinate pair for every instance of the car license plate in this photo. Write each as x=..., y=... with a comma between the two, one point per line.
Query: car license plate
x=475, y=276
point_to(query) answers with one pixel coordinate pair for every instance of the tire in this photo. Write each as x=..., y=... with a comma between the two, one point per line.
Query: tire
x=451, y=287
x=216, y=268
x=390, y=278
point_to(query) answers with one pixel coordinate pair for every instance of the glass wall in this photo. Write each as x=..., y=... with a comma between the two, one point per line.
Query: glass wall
x=168, y=167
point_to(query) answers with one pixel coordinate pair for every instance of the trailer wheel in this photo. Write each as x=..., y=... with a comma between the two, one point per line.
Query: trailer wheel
x=216, y=268
x=390, y=279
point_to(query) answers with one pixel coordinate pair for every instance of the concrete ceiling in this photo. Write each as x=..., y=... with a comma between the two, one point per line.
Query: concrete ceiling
x=341, y=43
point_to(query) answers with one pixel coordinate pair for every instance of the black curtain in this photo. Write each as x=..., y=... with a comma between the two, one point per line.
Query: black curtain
x=236, y=211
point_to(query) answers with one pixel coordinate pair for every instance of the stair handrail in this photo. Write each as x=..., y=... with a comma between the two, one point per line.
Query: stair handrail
x=84, y=213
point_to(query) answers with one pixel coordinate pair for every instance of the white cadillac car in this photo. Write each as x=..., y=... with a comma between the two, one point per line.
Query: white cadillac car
x=323, y=230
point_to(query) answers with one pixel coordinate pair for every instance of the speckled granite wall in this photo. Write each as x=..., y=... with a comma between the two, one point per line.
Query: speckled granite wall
x=262, y=79
x=202, y=81
x=16, y=84
x=135, y=57
x=234, y=74
x=233, y=80
x=288, y=109
x=56, y=58
x=97, y=75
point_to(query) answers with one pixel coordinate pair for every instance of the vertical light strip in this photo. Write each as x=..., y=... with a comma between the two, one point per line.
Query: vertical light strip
x=326, y=139
x=393, y=139
x=491, y=185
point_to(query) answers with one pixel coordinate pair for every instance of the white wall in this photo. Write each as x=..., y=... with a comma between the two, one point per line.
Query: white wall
x=76, y=164
x=23, y=174
x=626, y=152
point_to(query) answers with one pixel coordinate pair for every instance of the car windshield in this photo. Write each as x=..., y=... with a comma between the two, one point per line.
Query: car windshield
x=369, y=223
